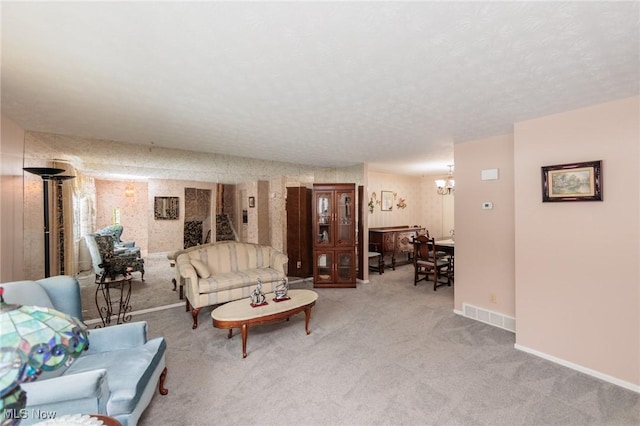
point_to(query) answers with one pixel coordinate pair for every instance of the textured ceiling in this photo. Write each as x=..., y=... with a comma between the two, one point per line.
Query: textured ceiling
x=328, y=83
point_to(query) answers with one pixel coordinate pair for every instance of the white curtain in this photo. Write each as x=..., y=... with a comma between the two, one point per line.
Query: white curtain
x=84, y=218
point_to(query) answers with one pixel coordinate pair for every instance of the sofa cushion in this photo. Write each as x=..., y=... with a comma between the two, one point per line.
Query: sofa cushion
x=128, y=374
x=234, y=257
x=201, y=269
x=230, y=280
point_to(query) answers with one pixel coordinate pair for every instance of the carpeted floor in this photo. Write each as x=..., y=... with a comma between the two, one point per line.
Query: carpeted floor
x=385, y=353
x=156, y=289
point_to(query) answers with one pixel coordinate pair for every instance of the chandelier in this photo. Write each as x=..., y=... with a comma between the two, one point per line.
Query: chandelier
x=446, y=187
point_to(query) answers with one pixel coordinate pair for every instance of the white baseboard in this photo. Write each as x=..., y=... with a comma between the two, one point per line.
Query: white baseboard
x=580, y=368
x=486, y=316
x=508, y=323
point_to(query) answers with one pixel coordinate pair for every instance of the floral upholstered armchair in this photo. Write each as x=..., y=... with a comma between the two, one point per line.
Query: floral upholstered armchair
x=108, y=264
x=119, y=247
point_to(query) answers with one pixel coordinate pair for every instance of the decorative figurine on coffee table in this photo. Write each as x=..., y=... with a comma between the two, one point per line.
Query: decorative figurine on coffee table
x=281, y=291
x=257, y=296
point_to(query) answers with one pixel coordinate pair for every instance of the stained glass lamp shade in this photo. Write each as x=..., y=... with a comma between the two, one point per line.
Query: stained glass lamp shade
x=12, y=397
x=34, y=339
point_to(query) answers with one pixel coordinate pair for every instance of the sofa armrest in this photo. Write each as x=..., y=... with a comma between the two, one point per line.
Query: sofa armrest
x=186, y=269
x=188, y=275
x=121, y=336
x=64, y=292
x=278, y=261
x=85, y=392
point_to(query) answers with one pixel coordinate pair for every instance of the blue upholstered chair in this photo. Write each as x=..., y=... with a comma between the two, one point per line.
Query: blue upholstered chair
x=117, y=376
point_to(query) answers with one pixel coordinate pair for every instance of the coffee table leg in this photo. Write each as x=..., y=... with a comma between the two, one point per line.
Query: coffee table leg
x=245, y=330
x=230, y=333
x=307, y=315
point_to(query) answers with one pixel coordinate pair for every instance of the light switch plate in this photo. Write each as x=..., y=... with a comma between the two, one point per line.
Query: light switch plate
x=487, y=205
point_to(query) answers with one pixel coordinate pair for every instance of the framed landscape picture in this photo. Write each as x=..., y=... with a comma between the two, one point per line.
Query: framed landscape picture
x=572, y=182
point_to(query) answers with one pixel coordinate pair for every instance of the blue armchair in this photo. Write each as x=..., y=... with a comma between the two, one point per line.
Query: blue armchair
x=117, y=376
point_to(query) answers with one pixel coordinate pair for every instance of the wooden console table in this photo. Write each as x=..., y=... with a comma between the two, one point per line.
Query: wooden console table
x=394, y=240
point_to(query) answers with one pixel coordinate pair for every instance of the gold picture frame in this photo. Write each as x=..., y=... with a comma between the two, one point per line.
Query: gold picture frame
x=572, y=182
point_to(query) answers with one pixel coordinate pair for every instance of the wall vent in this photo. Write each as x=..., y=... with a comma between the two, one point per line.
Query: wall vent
x=489, y=317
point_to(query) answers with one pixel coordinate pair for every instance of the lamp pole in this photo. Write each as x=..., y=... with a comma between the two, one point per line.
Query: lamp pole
x=46, y=173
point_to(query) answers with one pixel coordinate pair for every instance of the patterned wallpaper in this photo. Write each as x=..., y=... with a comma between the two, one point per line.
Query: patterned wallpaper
x=166, y=173
x=111, y=195
x=171, y=171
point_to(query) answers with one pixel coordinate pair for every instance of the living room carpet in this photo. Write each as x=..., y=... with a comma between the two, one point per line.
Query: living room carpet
x=384, y=353
x=156, y=290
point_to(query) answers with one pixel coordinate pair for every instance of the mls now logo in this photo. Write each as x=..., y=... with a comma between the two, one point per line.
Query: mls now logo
x=23, y=414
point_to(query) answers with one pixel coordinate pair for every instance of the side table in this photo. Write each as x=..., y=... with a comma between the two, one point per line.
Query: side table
x=113, y=297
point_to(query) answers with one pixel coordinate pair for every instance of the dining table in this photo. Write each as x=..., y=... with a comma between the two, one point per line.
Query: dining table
x=447, y=246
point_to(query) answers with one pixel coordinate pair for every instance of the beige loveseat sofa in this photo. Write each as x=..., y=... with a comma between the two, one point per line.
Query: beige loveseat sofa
x=229, y=270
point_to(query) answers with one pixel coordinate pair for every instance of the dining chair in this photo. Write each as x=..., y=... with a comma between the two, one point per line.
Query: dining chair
x=440, y=254
x=427, y=263
x=450, y=270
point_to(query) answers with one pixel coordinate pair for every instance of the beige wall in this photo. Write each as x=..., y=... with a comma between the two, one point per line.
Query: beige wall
x=577, y=278
x=248, y=232
x=406, y=187
x=485, y=259
x=110, y=194
x=11, y=205
x=567, y=271
x=424, y=206
x=168, y=235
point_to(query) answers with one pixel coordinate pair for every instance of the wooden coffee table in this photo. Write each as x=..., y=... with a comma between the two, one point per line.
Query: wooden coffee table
x=240, y=314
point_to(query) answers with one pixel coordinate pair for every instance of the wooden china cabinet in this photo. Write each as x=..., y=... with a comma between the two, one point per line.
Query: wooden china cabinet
x=334, y=235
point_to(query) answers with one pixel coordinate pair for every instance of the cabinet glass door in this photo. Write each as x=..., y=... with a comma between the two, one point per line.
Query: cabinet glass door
x=324, y=267
x=345, y=218
x=345, y=266
x=324, y=222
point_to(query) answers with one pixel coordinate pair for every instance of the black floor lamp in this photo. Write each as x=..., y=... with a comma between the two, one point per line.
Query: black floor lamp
x=47, y=174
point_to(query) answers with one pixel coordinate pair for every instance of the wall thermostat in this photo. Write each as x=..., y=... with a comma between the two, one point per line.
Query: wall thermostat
x=487, y=205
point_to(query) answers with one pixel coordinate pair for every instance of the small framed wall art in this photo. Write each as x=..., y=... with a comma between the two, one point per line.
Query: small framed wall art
x=166, y=208
x=572, y=182
x=387, y=201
